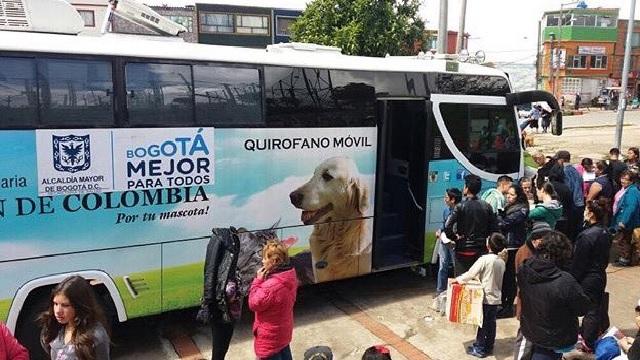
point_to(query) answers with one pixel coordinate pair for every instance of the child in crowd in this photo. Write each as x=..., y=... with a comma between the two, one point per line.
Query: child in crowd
x=489, y=269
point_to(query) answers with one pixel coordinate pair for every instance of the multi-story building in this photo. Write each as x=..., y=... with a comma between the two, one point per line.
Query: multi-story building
x=245, y=23
x=618, y=58
x=92, y=12
x=577, y=50
x=252, y=23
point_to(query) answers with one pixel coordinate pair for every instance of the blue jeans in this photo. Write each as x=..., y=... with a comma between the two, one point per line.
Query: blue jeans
x=486, y=335
x=445, y=256
x=284, y=354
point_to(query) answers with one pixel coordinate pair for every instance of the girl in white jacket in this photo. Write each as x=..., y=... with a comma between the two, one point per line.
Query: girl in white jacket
x=489, y=269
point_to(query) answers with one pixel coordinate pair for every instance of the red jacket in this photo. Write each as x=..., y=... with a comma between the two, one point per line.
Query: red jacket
x=10, y=348
x=272, y=301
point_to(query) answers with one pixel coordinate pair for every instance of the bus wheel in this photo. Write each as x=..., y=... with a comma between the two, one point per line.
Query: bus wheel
x=27, y=327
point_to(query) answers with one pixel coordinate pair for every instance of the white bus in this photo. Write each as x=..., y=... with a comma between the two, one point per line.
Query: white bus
x=120, y=154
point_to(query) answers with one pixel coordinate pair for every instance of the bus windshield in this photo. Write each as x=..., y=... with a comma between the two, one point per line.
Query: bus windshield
x=487, y=135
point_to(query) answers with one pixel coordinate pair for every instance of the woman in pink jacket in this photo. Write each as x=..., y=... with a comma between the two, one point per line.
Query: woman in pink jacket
x=271, y=297
x=10, y=348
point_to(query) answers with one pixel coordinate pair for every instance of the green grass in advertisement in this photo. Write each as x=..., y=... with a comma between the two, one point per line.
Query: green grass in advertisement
x=148, y=286
x=182, y=286
x=5, y=304
x=429, y=246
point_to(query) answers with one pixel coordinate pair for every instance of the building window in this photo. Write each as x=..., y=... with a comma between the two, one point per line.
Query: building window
x=553, y=20
x=579, y=62
x=635, y=40
x=605, y=21
x=283, y=25
x=216, y=23
x=186, y=21
x=598, y=62
x=571, y=85
x=252, y=24
x=88, y=17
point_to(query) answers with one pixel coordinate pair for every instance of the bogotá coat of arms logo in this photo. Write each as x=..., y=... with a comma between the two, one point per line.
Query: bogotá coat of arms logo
x=71, y=153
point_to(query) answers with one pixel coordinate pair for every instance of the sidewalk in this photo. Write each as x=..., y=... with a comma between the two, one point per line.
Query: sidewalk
x=393, y=308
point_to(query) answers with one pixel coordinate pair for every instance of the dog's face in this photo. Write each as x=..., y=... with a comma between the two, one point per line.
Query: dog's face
x=334, y=192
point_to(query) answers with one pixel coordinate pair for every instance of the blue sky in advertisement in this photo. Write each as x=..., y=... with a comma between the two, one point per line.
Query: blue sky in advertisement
x=251, y=189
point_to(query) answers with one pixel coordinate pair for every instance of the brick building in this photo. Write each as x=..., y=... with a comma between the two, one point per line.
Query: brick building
x=578, y=46
x=618, y=57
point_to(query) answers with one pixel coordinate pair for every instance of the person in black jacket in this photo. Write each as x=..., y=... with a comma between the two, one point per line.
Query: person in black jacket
x=590, y=260
x=552, y=299
x=512, y=224
x=222, y=299
x=475, y=221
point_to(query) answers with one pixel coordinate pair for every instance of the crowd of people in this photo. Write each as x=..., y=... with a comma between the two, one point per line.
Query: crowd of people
x=544, y=243
x=539, y=248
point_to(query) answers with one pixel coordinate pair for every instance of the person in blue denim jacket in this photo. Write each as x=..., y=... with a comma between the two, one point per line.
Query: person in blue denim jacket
x=452, y=197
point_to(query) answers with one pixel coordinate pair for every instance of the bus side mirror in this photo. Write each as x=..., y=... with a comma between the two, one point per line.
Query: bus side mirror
x=556, y=123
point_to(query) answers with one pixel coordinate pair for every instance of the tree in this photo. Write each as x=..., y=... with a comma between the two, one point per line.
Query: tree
x=362, y=27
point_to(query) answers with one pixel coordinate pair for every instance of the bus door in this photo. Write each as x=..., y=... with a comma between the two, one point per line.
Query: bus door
x=401, y=183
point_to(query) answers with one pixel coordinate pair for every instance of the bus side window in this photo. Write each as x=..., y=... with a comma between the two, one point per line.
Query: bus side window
x=227, y=96
x=18, y=93
x=75, y=92
x=159, y=94
x=298, y=97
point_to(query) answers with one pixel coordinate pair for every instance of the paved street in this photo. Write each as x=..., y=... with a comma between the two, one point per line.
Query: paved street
x=387, y=308
x=591, y=134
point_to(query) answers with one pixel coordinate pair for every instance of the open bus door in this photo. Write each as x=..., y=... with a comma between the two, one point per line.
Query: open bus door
x=400, y=184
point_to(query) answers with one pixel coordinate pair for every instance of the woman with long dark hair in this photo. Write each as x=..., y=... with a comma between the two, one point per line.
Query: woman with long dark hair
x=590, y=260
x=549, y=209
x=74, y=326
x=512, y=224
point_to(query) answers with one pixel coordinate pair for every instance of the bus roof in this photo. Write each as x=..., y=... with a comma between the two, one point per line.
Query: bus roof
x=160, y=48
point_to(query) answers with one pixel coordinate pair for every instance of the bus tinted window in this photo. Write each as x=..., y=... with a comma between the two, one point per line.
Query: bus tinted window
x=159, y=94
x=486, y=135
x=227, y=96
x=471, y=85
x=75, y=92
x=319, y=98
x=18, y=93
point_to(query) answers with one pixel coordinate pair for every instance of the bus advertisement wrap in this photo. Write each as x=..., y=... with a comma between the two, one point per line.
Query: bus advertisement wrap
x=99, y=160
x=313, y=187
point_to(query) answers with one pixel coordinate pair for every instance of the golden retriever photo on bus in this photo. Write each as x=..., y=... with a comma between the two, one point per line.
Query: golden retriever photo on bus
x=334, y=201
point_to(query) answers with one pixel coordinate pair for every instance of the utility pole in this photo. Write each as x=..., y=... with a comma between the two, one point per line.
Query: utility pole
x=463, y=14
x=442, y=29
x=622, y=99
x=552, y=77
x=538, y=62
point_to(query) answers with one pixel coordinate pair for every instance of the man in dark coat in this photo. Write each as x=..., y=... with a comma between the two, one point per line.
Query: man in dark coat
x=475, y=221
x=552, y=300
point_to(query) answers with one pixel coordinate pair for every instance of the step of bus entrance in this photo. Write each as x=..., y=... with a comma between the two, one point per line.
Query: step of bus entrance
x=389, y=242
x=393, y=223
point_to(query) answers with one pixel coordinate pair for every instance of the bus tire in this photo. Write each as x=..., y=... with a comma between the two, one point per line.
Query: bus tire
x=27, y=327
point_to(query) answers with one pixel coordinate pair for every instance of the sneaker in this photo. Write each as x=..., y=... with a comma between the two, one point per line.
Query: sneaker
x=622, y=262
x=474, y=351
